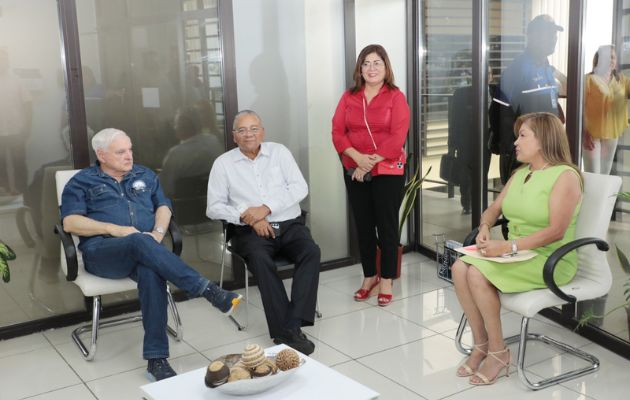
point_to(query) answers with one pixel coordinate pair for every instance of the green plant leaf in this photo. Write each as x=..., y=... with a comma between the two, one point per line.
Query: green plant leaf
x=410, y=195
x=4, y=270
x=624, y=195
x=585, y=318
x=6, y=252
x=625, y=264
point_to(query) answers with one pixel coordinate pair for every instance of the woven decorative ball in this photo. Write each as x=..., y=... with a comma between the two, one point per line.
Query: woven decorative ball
x=287, y=359
x=253, y=356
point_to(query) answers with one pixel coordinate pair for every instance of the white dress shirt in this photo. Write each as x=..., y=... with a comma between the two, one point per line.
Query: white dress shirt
x=272, y=178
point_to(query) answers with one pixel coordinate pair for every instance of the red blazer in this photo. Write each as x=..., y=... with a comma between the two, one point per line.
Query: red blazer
x=388, y=117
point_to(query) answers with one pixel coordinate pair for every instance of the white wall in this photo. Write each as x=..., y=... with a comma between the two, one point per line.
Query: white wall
x=383, y=22
x=290, y=69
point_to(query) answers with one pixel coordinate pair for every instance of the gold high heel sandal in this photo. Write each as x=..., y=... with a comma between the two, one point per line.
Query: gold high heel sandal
x=467, y=370
x=505, y=365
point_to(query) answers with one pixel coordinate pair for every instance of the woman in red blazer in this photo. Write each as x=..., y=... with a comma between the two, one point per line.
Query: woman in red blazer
x=370, y=125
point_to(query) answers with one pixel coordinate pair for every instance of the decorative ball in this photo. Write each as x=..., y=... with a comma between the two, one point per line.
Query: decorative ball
x=287, y=359
x=253, y=356
x=262, y=370
x=216, y=374
x=237, y=373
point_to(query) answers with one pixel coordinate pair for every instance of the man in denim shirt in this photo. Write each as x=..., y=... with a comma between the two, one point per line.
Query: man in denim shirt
x=120, y=213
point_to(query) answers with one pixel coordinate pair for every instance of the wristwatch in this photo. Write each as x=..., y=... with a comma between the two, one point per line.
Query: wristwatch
x=162, y=231
x=514, y=248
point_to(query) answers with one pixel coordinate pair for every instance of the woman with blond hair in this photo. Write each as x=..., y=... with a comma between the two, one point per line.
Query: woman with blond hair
x=541, y=201
x=605, y=111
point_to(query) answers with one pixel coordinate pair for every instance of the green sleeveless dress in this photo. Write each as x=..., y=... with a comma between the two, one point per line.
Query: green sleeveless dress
x=526, y=206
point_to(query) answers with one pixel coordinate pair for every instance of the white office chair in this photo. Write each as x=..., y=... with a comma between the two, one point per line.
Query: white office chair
x=94, y=287
x=593, y=278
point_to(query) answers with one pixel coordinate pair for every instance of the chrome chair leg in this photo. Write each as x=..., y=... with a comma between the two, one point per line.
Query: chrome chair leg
x=239, y=326
x=563, y=347
x=177, y=332
x=522, y=340
x=96, y=324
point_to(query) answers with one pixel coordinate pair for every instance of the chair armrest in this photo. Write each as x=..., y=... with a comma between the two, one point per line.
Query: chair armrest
x=550, y=264
x=472, y=236
x=70, y=252
x=176, y=237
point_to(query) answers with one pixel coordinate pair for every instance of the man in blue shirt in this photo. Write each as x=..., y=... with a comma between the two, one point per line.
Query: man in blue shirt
x=529, y=84
x=120, y=213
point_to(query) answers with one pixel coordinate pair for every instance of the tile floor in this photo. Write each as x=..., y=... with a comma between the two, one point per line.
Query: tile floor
x=404, y=351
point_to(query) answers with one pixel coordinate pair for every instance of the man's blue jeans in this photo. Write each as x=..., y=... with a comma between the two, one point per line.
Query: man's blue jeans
x=144, y=260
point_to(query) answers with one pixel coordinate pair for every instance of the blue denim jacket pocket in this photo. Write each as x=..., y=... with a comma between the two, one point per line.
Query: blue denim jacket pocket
x=102, y=196
x=140, y=191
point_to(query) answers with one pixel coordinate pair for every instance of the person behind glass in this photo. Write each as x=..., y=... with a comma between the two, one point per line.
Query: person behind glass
x=541, y=201
x=374, y=100
x=16, y=110
x=194, y=154
x=530, y=84
x=258, y=187
x=605, y=111
x=118, y=210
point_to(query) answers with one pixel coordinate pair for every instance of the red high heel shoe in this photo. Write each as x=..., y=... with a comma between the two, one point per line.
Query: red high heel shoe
x=385, y=299
x=364, y=294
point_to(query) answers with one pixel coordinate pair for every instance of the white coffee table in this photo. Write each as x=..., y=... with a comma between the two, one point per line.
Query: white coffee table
x=313, y=380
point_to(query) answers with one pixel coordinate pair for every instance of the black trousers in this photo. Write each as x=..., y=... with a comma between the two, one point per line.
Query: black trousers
x=375, y=206
x=296, y=244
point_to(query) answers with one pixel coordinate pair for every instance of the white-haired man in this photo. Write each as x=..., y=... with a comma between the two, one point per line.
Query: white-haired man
x=120, y=213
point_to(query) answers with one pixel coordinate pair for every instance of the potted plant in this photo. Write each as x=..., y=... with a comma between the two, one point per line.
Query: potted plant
x=6, y=255
x=589, y=315
x=410, y=191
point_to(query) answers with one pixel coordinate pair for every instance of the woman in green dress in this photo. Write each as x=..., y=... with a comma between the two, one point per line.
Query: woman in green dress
x=541, y=200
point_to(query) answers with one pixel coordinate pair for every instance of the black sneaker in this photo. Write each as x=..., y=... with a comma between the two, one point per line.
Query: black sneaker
x=296, y=339
x=224, y=300
x=158, y=369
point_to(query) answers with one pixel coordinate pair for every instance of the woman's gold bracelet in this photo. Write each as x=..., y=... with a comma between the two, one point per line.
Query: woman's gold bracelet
x=484, y=223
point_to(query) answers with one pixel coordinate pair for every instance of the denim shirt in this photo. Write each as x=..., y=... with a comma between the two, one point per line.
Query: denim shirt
x=131, y=202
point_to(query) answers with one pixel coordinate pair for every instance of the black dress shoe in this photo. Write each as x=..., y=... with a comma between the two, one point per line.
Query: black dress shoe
x=296, y=339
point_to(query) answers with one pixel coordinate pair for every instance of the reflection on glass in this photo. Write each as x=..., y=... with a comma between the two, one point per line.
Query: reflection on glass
x=605, y=111
x=153, y=70
x=15, y=128
x=526, y=60
x=605, y=143
x=530, y=84
x=446, y=112
x=34, y=144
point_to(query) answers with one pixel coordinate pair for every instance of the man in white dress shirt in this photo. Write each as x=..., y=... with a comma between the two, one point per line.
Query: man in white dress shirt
x=258, y=188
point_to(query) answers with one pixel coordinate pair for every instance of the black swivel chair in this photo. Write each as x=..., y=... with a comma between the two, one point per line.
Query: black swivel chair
x=281, y=263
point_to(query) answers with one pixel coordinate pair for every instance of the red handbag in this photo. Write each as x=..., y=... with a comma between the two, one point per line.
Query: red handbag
x=390, y=166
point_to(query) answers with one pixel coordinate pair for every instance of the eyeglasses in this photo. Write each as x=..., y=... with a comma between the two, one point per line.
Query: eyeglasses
x=253, y=130
x=378, y=64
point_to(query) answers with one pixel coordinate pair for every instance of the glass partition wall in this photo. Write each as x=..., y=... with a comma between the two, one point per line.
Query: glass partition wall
x=446, y=108
x=605, y=148
x=154, y=69
x=522, y=36
x=34, y=143
x=165, y=72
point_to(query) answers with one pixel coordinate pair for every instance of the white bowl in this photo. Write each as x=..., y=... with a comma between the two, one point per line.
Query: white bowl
x=245, y=387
